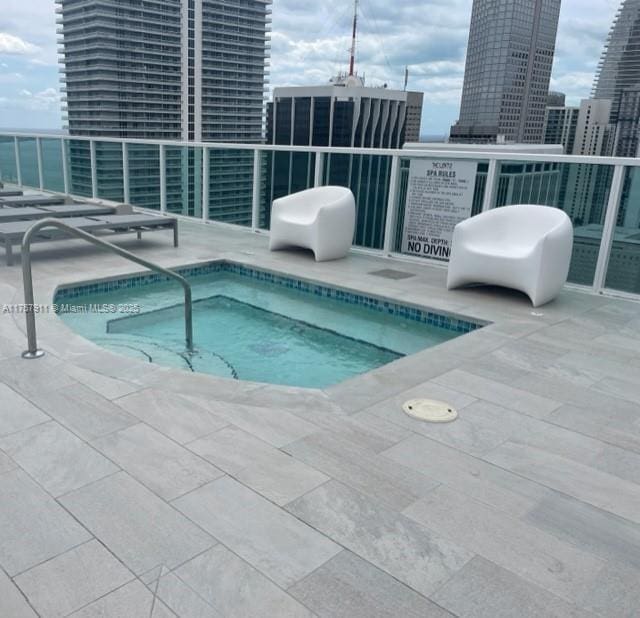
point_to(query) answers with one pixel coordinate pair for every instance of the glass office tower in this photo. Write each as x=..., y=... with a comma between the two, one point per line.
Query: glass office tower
x=507, y=72
x=343, y=114
x=191, y=70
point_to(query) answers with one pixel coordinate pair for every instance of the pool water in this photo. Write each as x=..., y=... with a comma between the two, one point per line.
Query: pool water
x=249, y=329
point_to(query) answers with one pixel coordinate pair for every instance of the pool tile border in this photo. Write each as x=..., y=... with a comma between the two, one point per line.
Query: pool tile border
x=424, y=315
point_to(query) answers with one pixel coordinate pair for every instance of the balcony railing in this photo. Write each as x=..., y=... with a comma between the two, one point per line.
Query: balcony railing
x=236, y=184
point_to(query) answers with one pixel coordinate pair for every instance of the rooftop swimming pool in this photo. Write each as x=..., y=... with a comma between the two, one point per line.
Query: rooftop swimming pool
x=252, y=324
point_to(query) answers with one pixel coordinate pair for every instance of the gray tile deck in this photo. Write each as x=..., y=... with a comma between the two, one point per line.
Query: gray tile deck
x=242, y=499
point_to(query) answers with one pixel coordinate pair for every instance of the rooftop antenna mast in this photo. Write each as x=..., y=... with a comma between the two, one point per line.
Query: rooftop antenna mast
x=352, y=58
x=406, y=76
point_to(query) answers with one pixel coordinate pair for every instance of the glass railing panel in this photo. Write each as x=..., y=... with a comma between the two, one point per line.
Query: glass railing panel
x=52, y=174
x=184, y=180
x=79, y=166
x=8, y=171
x=144, y=175
x=579, y=189
x=623, y=272
x=28, y=161
x=109, y=174
x=434, y=195
x=368, y=177
x=231, y=186
x=283, y=173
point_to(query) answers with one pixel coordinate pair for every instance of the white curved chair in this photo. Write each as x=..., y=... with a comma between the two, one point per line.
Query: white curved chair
x=525, y=247
x=322, y=219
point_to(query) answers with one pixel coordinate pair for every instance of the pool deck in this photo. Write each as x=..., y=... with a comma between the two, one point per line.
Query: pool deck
x=131, y=490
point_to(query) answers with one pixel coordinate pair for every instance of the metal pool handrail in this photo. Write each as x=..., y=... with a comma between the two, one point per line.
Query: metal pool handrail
x=27, y=279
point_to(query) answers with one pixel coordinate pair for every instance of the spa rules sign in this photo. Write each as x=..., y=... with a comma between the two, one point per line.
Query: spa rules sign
x=439, y=196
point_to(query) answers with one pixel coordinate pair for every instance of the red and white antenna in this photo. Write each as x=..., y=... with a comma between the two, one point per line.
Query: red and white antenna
x=352, y=58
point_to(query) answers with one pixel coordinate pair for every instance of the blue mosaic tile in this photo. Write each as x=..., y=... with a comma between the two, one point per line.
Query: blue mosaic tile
x=372, y=303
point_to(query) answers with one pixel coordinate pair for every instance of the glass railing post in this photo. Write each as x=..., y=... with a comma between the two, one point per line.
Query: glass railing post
x=609, y=228
x=206, y=170
x=255, y=200
x=488, y=200
x=16, y=147
x=125, y=174
x=39, y=160
x=65, y=166
x=163, y=179
x=392, y=206
x=94, y=169
x=319, y=169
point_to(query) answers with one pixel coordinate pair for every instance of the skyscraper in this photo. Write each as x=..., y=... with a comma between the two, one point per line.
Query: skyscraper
x=560, y=126
x=507, y=72
x=342, y=114
x=619, y=66
x=191, y=70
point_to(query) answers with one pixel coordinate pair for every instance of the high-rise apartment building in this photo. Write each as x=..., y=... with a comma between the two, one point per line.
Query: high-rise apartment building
x=619, y=66
x=191, y=70
x=627, y=140
x=507, y=72
x=560, y=124
x=587, y=185
x=342, y=114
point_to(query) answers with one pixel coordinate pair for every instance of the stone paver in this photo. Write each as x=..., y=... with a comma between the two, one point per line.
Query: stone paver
x=138, y=527
x=262, y=467
x=270, y=539
x=349, y=587
x=33, y=527
x=232, y=587
x=404, y=549
x=13, y=603
x=70, y=581
x=57, y=459
x=482, y=588
x=163, y=466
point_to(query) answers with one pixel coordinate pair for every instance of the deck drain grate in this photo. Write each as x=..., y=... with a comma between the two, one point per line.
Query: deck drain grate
x=389, y=273
x=430, y=410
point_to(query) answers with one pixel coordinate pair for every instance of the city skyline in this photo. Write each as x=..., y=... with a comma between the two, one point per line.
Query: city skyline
x=432, y=42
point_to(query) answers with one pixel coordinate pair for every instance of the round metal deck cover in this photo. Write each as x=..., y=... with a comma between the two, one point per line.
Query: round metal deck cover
x=430, y=410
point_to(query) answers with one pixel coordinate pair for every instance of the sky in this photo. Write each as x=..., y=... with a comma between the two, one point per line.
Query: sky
x=310, y=43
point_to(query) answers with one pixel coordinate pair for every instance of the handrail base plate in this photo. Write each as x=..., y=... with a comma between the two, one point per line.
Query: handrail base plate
x=31, y=355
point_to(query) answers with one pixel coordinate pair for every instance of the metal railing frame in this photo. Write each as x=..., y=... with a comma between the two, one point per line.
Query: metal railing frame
x=493, y=158
x=32, y=350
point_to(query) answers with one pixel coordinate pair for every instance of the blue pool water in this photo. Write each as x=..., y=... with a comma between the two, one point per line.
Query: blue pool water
x=278, y=331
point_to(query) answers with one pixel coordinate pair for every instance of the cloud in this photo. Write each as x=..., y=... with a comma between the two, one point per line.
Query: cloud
x=44, y=100
x=310, y=43
x=14, y=45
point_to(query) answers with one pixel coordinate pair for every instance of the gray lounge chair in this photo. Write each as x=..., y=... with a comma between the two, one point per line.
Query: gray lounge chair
x=13, y=233
x=32, y=213
x=34, y=199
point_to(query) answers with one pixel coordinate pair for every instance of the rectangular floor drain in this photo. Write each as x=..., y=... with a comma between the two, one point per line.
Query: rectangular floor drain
x=388, y=273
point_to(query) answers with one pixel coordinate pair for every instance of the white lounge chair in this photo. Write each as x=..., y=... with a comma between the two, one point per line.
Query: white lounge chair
x=525, y=247
x=321, y=219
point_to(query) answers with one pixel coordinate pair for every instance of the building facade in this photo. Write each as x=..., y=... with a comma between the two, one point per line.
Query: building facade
x=344, y=115
x=619, y=66
x=191, y=70
x=627, y=139
x=560, y=125
x=507, y=71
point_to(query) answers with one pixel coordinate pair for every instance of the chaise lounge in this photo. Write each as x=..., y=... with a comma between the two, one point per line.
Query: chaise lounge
x=13, y=233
